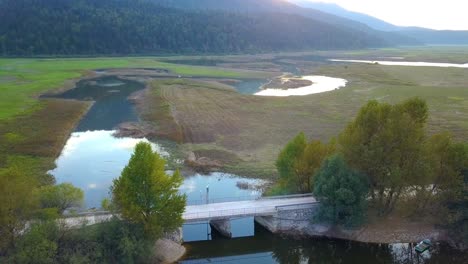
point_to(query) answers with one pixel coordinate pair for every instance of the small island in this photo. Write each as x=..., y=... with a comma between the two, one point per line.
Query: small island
x=285, y=82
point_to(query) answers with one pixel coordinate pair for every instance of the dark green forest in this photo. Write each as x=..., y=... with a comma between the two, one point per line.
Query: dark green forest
x=119, y=27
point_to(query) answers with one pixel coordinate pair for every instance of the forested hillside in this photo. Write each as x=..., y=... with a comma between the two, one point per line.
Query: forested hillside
x=340, y=20
x=71, y=27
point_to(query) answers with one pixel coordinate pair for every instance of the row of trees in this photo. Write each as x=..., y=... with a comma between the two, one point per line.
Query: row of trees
x=65, y=27
x=384, y=156
x=144, y=197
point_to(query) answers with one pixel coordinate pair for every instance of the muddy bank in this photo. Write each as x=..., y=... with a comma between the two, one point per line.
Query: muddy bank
x=287, y=82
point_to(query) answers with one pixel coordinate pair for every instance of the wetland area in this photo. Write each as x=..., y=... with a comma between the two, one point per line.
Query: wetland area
x=233, y=135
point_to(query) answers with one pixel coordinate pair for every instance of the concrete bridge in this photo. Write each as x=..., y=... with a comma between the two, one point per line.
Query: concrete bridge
x=258, y=207
x=266, y=210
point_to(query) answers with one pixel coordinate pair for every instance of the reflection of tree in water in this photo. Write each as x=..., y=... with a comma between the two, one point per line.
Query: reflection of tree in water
x=405, y=254
x=318, y=251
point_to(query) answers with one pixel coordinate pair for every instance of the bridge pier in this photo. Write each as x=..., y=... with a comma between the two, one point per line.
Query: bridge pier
x=223, y=226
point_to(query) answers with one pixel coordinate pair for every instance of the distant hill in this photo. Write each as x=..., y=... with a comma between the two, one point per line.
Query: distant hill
x=437, y=37
x=422, y=35
x=285, y=6
x=73, y=27
x=337, y=10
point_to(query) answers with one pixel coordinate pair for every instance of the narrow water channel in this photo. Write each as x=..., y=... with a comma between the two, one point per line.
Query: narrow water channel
x=92, y=158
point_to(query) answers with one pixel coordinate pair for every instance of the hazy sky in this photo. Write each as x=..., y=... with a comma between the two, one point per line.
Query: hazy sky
x=437, y=14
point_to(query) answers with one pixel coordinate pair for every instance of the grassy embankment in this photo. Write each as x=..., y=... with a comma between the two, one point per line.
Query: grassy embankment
x=35, y=130
x=247, y=132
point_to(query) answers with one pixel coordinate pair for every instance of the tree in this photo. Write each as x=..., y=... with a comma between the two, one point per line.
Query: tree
x=145, y=194
x=342, y=193
x=309, y=163
x=38, y=245
x=17, y=204
x=286, y=162
x=445, y=160
x=298, y=162
x=386, y=143
x=62, y=197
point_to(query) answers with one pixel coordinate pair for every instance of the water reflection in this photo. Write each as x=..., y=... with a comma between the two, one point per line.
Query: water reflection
x=111, y=106
x=319, y=84
x=408, y=63
x=267, y=248
x=91, y=160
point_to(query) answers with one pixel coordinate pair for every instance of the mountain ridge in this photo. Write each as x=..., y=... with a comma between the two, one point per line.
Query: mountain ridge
x=119, y=27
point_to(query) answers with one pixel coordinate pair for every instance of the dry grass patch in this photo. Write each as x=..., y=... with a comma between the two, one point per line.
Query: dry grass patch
x=42, y=133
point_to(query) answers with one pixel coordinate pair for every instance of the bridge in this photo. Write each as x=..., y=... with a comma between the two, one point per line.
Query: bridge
x=259, y=207
x=265, y=210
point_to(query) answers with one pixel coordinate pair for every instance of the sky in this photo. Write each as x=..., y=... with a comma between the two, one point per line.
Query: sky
x=436, y=14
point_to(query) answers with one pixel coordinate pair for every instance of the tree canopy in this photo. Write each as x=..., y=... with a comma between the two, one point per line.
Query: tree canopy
x=342, y=193
x=144, y=194
x=18, y=202
x=62, y=196
x=299, y=161
x=386, y=143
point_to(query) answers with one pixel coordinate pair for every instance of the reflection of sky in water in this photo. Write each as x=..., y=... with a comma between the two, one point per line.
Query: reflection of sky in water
x=222, y=187
x=91, y=160
x=319, y=84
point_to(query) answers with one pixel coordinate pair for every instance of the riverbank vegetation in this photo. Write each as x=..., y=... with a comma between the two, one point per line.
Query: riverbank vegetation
x=33, y=231
x=144, y=194
x=25, y=202
x=402, y=164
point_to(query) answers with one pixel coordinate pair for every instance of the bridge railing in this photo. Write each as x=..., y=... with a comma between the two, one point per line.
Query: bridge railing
x=228, y=213
x=225, y=200
x=289, y=196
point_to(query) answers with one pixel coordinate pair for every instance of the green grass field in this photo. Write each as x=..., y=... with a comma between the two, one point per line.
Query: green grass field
x=21, y=80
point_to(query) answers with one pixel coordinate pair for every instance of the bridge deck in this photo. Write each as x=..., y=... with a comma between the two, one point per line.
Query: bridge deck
x=242, y=208
x=196, y=213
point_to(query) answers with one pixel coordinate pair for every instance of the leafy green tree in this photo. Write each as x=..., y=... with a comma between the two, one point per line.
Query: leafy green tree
x=310, y=162
x=457, y=217
x=443, y=181
x=62, y=197
x=145, y=194
x=386, y=143
x=18, y=203
x=286, y=162
x=299, y=161
x=342, y=193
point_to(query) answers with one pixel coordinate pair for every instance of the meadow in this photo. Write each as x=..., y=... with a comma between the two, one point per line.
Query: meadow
x=210, y=119
x=33, y=131
x=246, y=132
x=23, y=80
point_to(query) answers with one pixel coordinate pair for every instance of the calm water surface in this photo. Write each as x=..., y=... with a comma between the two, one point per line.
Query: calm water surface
x=408, y=63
